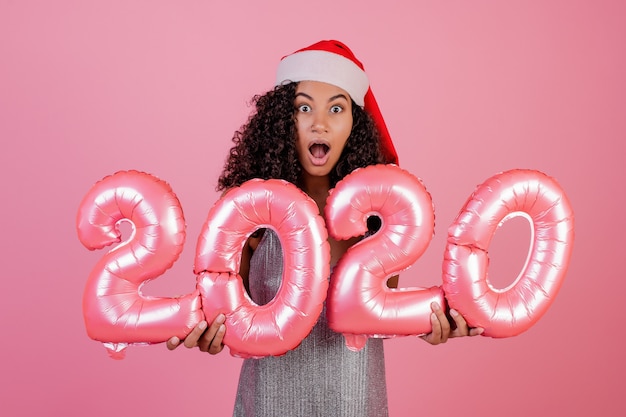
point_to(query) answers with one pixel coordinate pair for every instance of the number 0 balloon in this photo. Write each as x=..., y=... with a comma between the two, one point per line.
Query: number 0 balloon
x=510, y=311
x=274, y=328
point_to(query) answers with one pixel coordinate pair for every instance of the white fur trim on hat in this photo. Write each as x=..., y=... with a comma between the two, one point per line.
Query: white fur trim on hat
x=327, y=67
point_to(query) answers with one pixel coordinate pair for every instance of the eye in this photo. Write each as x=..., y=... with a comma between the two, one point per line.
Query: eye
x=336, y=109
x=304, y=108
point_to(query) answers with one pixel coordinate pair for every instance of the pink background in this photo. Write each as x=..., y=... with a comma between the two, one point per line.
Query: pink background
x=468, y=89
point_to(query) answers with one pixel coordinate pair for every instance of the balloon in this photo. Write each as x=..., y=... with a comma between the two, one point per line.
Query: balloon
x=360, y=304
x=509, y=311
x=274, y=328
x=114, y=309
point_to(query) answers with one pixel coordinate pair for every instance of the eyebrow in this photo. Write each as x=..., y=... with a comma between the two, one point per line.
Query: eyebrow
x=340, y=95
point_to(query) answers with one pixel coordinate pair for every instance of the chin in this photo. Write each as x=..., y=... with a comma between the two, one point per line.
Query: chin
x=318, y=171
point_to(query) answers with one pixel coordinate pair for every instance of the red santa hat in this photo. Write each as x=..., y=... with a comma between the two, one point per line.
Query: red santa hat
x=334, y=63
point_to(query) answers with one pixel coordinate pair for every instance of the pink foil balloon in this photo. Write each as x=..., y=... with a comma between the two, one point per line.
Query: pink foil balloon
x=114, y=309
x=509, y=311
x=274, y=328
x=360, y=304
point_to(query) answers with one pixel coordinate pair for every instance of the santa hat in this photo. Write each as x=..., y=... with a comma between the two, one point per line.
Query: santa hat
x=334, y=63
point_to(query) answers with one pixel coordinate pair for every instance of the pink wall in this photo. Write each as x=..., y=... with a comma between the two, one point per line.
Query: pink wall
x=468, y=89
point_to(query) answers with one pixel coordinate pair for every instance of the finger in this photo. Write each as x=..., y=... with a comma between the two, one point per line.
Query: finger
x=207, y=338
x=173, y=343
x=192, y=339
x=476, y=331
x=461, y=325
x=443, y=322
x=434, y=337
x=216, y=344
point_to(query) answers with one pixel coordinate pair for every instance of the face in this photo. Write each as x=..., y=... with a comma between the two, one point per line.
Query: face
x=323, y=123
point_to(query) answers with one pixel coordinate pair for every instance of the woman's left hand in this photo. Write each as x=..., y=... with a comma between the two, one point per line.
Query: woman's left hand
x=442, y=328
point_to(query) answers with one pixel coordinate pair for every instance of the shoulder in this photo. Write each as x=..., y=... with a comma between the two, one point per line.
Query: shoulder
x=255, y=238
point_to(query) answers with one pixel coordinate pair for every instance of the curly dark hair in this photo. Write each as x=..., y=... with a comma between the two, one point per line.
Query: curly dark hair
x=265, y=147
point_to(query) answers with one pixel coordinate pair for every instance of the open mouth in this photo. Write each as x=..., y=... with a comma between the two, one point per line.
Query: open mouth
x=319, y=150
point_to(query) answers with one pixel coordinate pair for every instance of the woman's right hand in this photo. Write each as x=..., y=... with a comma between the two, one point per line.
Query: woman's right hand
x=206, y=339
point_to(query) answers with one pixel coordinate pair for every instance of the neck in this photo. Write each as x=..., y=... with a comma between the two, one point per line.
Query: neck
x=317, y=188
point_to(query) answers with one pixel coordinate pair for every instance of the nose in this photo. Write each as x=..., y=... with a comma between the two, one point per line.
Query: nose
x=320, y=122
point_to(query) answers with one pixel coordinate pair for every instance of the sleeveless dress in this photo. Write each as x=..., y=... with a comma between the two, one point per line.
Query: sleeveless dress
x=321, y=377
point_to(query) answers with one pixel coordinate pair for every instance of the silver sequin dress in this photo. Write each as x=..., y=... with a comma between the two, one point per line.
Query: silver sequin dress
x=321, y=377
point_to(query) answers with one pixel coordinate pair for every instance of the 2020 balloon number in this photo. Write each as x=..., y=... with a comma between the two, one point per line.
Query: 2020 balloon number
x=359, y=303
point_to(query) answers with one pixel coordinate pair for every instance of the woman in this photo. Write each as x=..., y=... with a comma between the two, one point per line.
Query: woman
x=316, y=126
